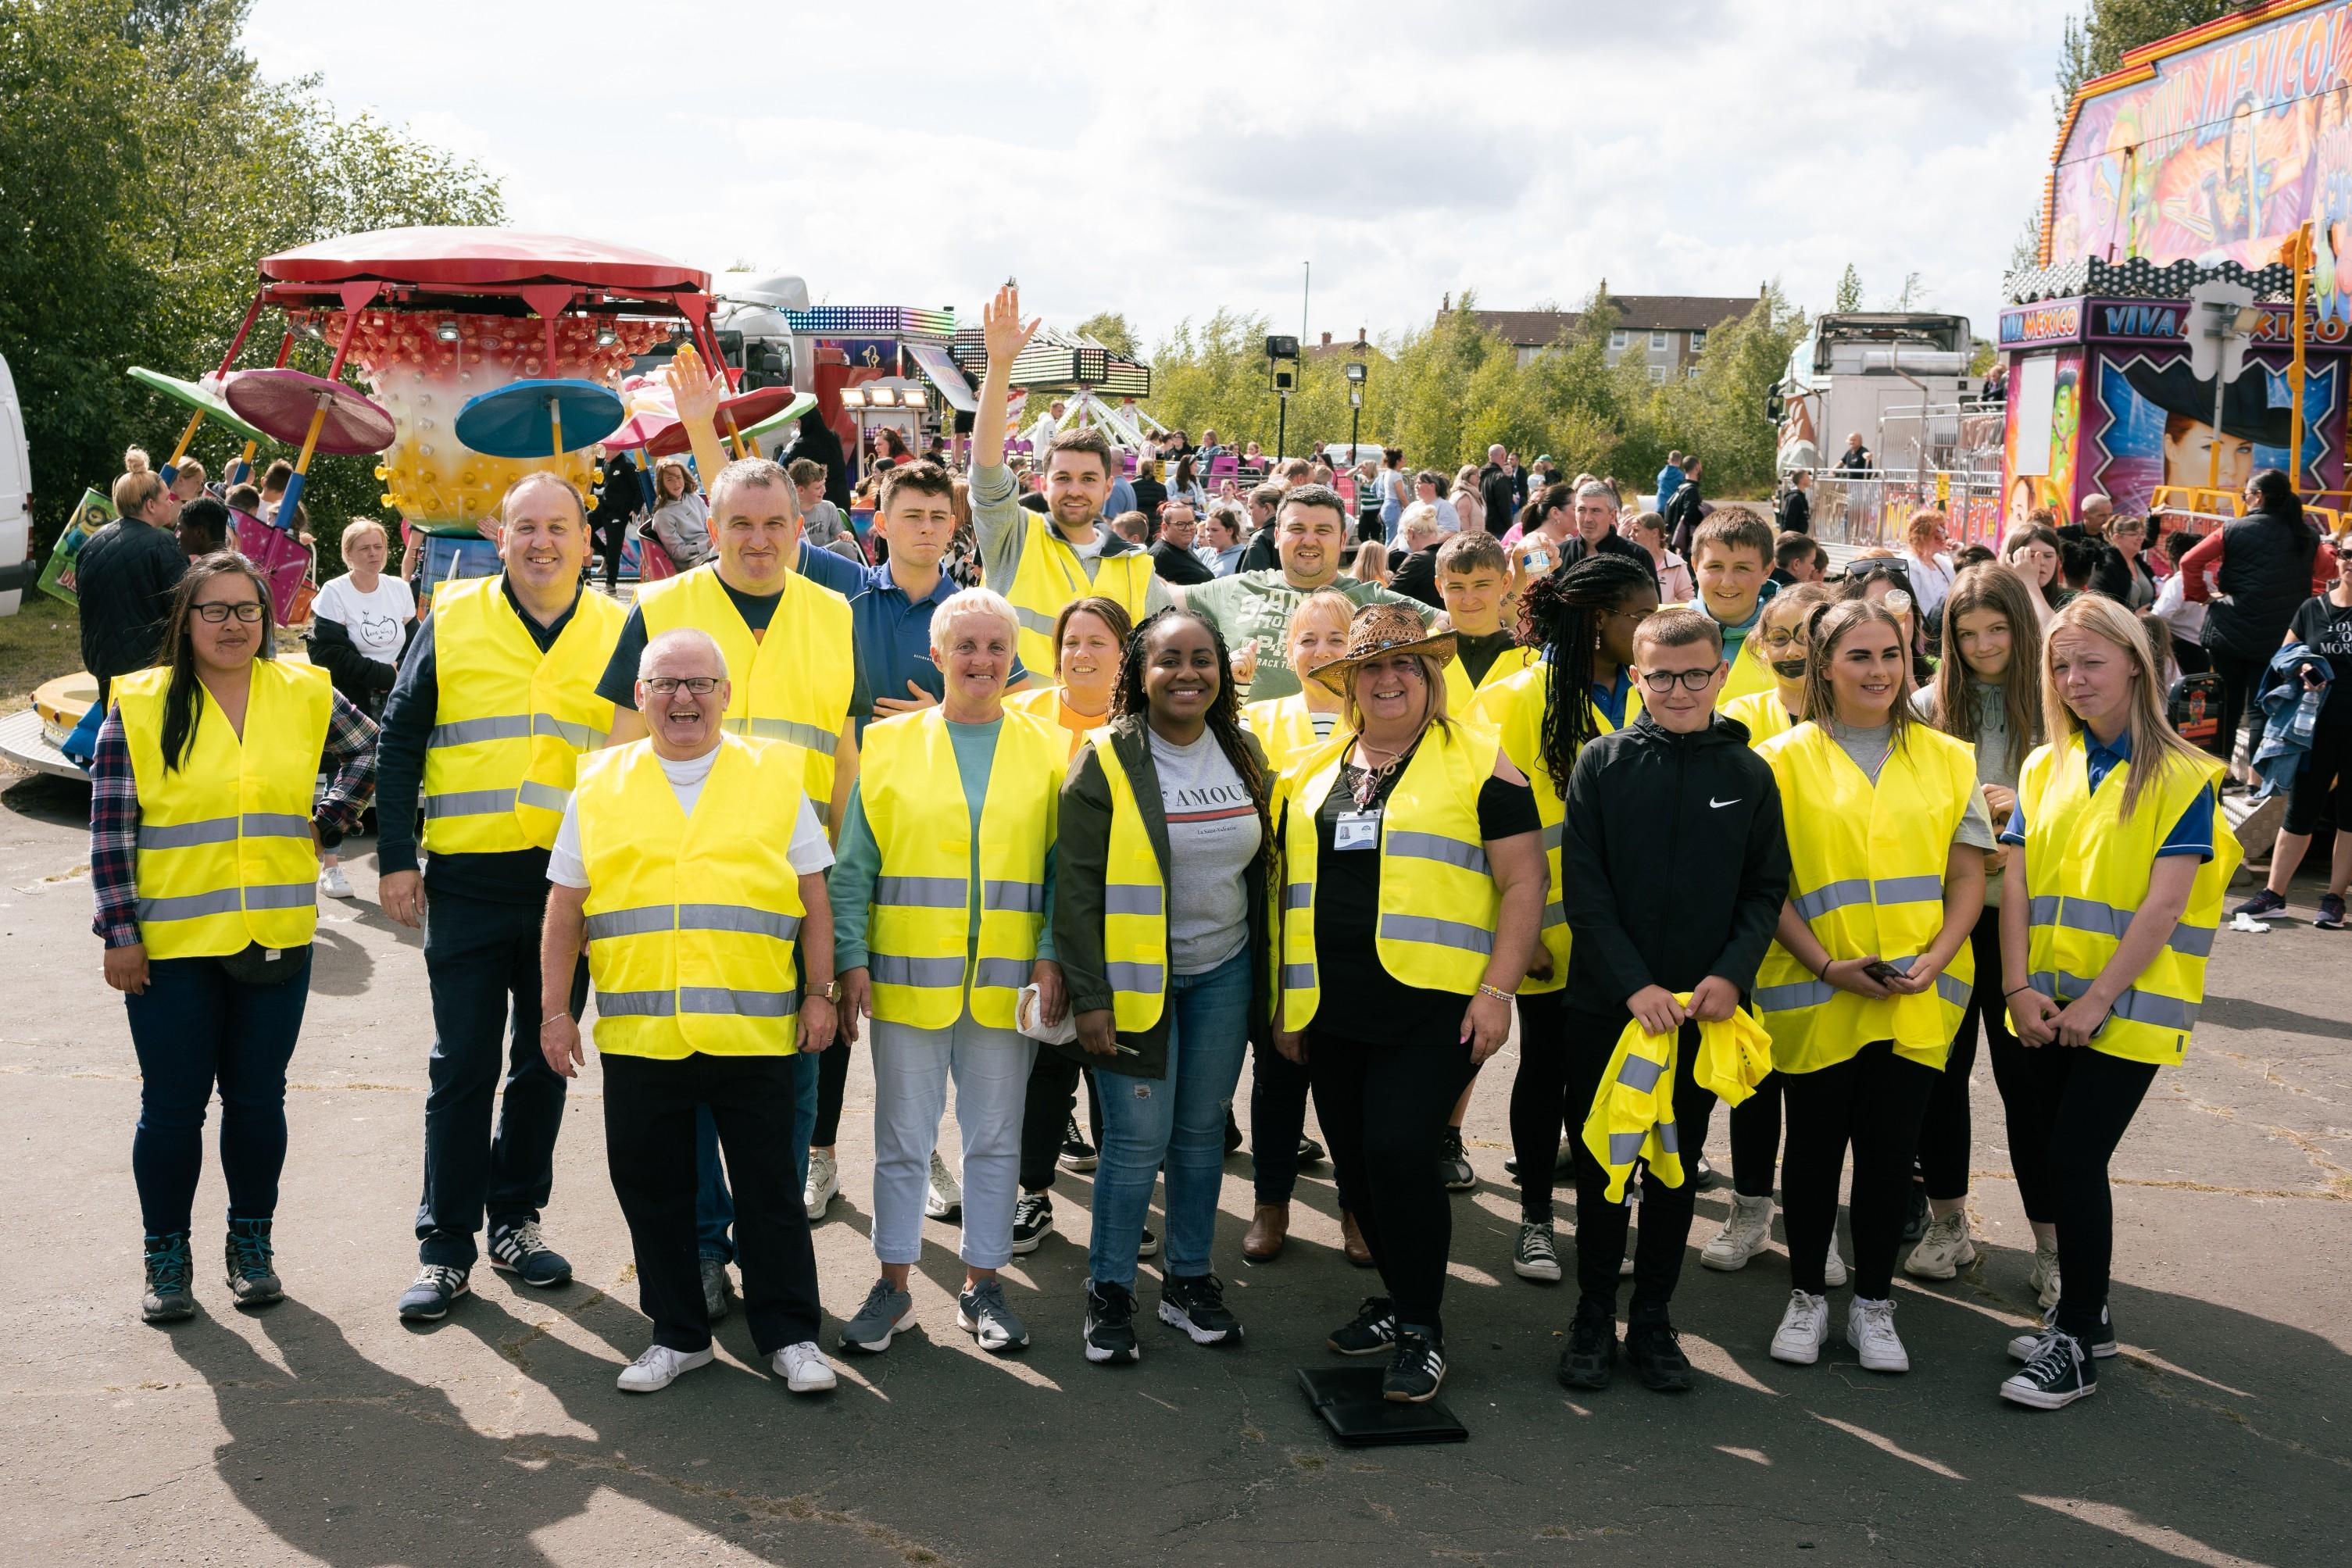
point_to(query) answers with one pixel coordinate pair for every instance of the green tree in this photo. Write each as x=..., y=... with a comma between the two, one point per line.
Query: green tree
x=1110, y=329
x=2094, y=45
x=1849, y=290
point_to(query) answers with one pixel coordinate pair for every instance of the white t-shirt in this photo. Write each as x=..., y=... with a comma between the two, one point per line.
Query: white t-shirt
x=377, y=621
x=809, y=854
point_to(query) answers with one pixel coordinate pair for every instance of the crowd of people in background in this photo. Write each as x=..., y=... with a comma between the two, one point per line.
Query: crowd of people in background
x=1073, y=773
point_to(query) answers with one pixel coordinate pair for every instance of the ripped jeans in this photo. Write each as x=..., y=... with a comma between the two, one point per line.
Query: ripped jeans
x=1179, y=1119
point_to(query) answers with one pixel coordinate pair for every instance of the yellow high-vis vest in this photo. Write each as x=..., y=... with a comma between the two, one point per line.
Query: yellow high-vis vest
x=1763, y=712
x=1135, y=903
x=2086, y=870
x=793, y=683
x=693, y=921
x=512, y=722
x=1866, y=873
x=1748, y=676
x=1514, y=708
x=921, y=927
x=225, y=856
x=1438, y=898
x=1463, y=695
x=1050, y=576
x=1286, y=729
x=1633, y=1111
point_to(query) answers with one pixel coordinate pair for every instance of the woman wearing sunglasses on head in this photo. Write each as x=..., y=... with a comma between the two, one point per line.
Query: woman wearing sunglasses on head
x=203, y=859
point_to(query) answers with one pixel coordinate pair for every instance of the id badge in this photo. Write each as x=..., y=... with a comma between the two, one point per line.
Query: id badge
x=1356, y=831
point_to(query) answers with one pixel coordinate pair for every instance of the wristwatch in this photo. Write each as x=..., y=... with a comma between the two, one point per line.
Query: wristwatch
x=832, y=991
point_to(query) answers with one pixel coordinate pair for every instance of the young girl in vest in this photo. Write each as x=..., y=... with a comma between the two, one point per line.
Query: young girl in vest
x=1864, y=988
x=1988, y=692
x=2109, y=903
x=202, y=852
x=1779, y=644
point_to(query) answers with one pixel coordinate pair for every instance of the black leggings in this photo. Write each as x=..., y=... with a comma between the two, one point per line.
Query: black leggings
x=1382, y=1108
x=831, y=1083
x=1540, y=1101
x=1947, y=1134
x=2241, y=679
x=1873, y=1100
x=2076, y=1104
x=1046, y=1117
x=1756, y=1138
x=1277, y=1108
x=1601, y=1225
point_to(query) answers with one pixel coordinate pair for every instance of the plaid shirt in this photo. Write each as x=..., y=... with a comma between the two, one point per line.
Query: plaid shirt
x=349, y=756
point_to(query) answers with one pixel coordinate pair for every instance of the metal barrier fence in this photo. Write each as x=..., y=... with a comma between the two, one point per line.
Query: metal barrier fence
x=1861, y=510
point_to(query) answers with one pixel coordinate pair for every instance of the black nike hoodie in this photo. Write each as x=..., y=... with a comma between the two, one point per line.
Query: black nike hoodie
x=1673, y=863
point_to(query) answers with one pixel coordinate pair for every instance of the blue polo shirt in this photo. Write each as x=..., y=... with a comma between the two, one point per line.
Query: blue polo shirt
x=893, y=637
x=2191, y=835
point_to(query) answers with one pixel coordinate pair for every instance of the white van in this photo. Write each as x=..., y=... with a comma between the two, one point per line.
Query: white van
x=17, y=570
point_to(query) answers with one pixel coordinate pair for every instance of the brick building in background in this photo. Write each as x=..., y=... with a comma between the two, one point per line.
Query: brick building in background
x=1666, y=332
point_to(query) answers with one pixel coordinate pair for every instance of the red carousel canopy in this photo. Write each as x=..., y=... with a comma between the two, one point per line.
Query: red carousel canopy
x=501, y=259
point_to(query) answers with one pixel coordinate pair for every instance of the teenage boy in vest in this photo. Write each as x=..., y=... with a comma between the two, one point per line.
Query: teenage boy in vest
x=1731, y=562
x=683, y=809
x=495, y=702
x=1043, y=562
x=1674, y=800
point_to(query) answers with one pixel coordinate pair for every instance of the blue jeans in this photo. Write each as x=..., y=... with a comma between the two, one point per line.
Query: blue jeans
x=714, y=1205
x=194, y=1027
x=1180, y=1120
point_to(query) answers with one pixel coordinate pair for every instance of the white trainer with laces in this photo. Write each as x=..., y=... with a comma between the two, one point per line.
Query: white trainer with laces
x=803, y=1368
x=1870, y=1329
x=1944, y=1251
x=2043, y=1276
x=659, y=1367
x=1743, y=1235
x=823, y=1182
x=334, y=884
x=1833, y=1266
x=1804, y=1329
x=945, y=1199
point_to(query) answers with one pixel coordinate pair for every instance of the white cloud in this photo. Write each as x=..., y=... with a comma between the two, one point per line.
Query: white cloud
x=1193, y=158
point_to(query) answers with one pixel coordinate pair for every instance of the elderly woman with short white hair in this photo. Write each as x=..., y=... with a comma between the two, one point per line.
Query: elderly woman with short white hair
x=942, y=898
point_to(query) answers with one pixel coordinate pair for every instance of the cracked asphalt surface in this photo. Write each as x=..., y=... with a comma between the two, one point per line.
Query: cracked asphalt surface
x=324, y=1431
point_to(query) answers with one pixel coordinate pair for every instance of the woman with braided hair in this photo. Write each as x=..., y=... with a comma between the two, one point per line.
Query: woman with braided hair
x=1164, y=861
x=1583, y=617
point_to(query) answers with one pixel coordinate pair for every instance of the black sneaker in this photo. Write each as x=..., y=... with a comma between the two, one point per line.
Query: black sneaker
x=1592, y=1346
x=170, y=1271
x=2331, y=911
x=2056, y=1375
x=1232, y=1132
x=1655, y=1352
x=1915, y=1217
x=1372, y=1332
x=1703, y=1175
x=251, y=1279
x=1310, y=1153
x=1196, y=1304
x=521, y=1250
x=1453, y=1165
x=438, y=1286
x=1077, y=1154
x=2263, y=902
x=1033, y=1216
x=1416, y=1367
x=1111, y=1323
x=2100, y=1343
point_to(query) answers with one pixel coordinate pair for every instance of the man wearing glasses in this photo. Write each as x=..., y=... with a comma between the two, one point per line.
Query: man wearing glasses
x=1675, y=799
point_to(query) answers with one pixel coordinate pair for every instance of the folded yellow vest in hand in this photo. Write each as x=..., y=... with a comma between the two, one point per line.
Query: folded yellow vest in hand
x=1632, y=1114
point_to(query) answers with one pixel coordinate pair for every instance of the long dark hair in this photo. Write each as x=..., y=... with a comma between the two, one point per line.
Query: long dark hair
x=2275, y=497
x=1996, y=588
x=181, y=707
x=1128, y=700
x=1563, y=614
x=1187, y=478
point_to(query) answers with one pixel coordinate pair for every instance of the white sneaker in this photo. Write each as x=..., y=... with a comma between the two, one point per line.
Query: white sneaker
x=1743, y=1235
x=1870, y=1329
x=945, y=1199
x=1833, y=1266
x=1804, y=1329
x=2043, y=1276
x=1944, y=1251
x=334, y=884
x=659, y=1367
x=803, y=1368
x=823, y=1182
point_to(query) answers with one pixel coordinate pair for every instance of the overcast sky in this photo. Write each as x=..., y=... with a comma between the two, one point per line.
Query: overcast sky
x=918, y=153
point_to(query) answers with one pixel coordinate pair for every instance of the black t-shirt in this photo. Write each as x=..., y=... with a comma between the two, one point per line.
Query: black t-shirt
x=1478, y=653
x=1796, y=513
x=2326, y=627
x=1171, y=562
x=1360, y=1000
x=619, y=683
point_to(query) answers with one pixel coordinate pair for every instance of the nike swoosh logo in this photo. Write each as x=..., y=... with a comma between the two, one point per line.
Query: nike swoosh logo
x=1719, y=805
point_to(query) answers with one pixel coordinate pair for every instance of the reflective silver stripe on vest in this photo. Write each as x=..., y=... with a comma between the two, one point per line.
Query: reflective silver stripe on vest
x=2135, y=1004
x=1134, y=898
x=2106, y=920
x=1010, y=974
x=636, y=1004
x=921, y=891
x=1669, y=1139
x=1297, y=894
x=230, y=901
x=1141, y=979
x=649, y=919
x=1861, y=890
x=1434, y=847
x=1032, y=621
x=1798, y=994
x=1020, y=897
x=546, y=796
x=471, y=731
x=894, y=969
x=1298, y=978
x=1553, y=835
x=1555, y=913
x=722, y=999
x=1640, y=1072
x=1438, y=933
x=1953, y=989
x=1625, y=1149
x=470, y=803
x=638, y=922
x=224, y=830
x=579, y=737
x=807, y=737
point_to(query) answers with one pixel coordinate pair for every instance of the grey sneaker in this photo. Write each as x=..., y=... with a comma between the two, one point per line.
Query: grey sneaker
x=714, y=1289
x=886, y=1313
x=980, y=1313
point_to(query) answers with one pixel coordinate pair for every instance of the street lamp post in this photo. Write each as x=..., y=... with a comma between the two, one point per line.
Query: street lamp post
x=1355, y=404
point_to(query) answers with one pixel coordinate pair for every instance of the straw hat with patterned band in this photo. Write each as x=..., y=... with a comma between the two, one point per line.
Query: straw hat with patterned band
x=1379, y=631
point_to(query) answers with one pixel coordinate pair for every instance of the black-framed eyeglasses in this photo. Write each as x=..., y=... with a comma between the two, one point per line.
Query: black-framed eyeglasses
x=1663, y=681
x=248, y=611
x=700, y=685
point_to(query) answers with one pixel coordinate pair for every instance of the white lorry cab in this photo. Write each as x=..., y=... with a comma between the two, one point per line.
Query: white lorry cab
x=18, y=571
